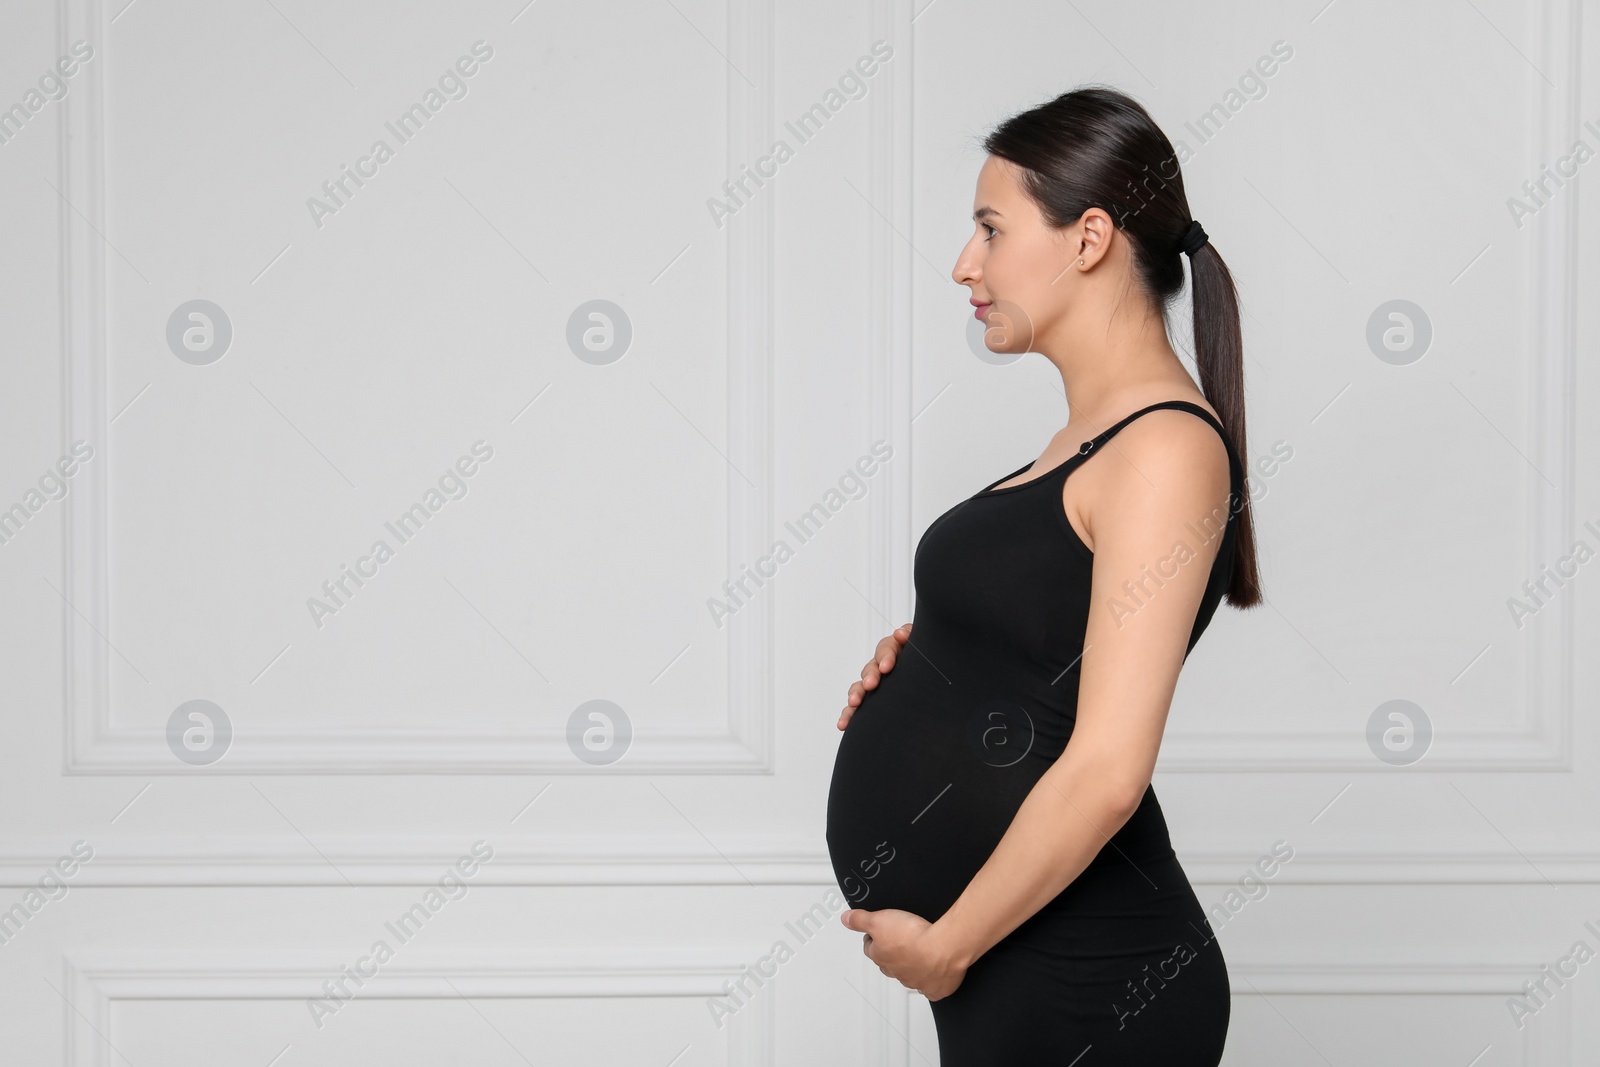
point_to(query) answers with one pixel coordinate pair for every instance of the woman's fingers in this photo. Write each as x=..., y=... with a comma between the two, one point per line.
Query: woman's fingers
x=882, y=662
x=852, y=701
x=895, y=642
x=858, y=692
x=888, y=650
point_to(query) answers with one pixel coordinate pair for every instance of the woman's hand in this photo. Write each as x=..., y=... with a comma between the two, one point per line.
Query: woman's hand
x=907, y=948
x=882, y=663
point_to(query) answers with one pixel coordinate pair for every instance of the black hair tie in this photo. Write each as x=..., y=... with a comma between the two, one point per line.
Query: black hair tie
x=1194, y=239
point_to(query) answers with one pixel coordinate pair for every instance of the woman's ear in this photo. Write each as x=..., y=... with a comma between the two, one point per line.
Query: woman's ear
x=1095, y=228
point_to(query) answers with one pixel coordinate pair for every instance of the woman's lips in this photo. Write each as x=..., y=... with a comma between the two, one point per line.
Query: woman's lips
x=980, y=310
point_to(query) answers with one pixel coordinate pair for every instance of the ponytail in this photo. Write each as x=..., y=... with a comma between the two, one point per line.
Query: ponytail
x=1219, y=357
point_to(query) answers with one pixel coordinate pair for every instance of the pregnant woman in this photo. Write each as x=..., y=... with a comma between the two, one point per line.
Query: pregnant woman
x=991, y=819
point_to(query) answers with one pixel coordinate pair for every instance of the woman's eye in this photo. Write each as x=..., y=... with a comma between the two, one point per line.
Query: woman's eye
x=991, y=229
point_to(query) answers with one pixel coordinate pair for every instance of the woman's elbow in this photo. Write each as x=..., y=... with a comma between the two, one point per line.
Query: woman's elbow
x=1123, y=797
x=1106, y=782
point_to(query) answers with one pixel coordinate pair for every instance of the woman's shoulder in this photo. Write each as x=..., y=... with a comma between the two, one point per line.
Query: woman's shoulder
x=1166, y=460
x=1179, y=427
x=1171, y=441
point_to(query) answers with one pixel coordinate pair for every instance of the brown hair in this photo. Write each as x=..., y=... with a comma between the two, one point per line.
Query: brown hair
x=1098, y=147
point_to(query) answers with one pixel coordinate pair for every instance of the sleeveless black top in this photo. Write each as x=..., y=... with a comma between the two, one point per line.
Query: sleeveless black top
x=937, y=759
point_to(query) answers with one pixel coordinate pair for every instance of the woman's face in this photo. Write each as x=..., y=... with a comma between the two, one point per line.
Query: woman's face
x=1017, y=265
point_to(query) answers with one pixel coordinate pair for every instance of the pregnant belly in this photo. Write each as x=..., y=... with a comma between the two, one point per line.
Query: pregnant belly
x=929, y=774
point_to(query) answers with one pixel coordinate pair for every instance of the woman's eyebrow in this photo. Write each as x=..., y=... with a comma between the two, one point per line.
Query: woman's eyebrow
x=986, y=212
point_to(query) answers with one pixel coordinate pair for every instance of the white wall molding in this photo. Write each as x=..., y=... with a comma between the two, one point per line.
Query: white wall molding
x=1545, y=1040
x=1537, y=735
x=95, y=745
x=95, y=981
x=892, y=542
x=1301, y=978
x=651, y=860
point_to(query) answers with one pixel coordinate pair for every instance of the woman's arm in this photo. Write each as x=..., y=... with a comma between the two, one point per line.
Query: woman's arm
x=1159, y=511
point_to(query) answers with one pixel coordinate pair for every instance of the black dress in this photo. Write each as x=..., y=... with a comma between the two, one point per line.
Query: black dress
x=1121, y=967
